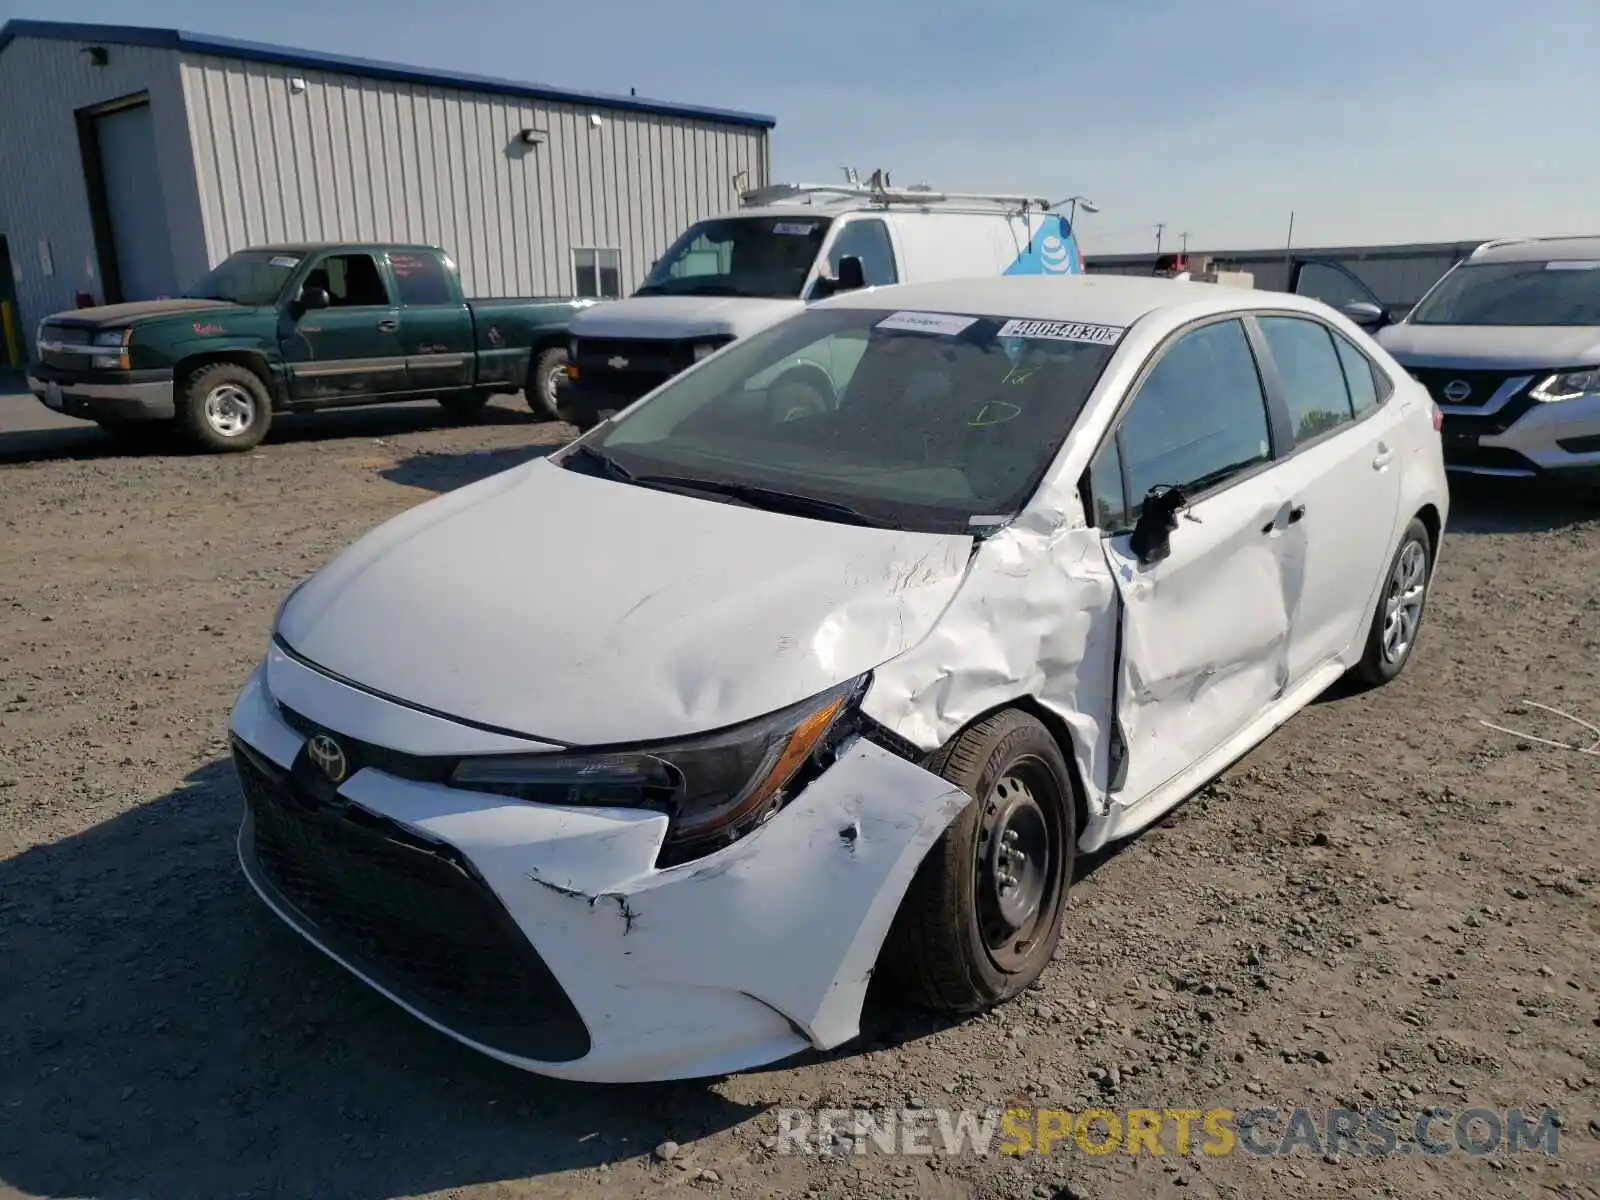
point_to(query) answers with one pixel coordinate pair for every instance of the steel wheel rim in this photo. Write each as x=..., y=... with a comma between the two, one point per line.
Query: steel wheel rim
x=1018, y=863
x=229, y=410
x=551, y=382
x=1402, y=605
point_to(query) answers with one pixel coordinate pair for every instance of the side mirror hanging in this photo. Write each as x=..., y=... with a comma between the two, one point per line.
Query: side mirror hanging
x=1151, y=537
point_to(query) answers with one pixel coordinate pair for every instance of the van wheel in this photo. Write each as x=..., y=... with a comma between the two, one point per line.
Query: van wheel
x=465, y=406
x=224, y=407
x=983, y=914
x=543, y=375
x=1398, y=619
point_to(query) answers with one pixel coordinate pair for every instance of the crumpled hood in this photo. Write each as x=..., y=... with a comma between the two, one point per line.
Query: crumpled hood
x=1491, y=347
x=681, y=317
x=565, y=607
x=134, y=311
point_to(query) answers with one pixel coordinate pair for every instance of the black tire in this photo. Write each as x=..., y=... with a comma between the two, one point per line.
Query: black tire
x=220, y=397
x=1383, y=660
x=540, y=390
x=938, y=954
x=465, y=407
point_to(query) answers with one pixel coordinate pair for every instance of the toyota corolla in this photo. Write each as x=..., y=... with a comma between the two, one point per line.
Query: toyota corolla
x=637, y=761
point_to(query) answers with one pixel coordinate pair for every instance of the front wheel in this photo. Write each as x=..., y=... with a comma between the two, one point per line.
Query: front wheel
x=983, y=914
x=544, y=376
x=224, y=407
x=1397, y=621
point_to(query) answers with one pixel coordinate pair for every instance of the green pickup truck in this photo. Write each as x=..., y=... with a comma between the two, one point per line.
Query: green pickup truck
x=291, y=328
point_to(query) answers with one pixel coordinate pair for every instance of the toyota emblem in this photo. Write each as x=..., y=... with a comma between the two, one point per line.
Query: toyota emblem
x=1457, y=390
x=328, y=756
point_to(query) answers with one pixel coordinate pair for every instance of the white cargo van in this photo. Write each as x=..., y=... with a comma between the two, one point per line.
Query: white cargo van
x=790, y=244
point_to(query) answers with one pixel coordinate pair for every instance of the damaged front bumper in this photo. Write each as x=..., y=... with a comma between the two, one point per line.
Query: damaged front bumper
x=546, y=937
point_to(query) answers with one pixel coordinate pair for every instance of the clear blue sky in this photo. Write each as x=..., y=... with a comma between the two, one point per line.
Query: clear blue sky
x=1374, y=120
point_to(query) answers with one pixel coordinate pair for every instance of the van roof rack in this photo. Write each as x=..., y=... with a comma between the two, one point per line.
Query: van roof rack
x=879, y=190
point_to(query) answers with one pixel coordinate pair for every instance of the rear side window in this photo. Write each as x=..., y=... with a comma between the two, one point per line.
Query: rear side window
x=421, y=278
x=1360, y=376
x=1313, y=378
x=1198, y=419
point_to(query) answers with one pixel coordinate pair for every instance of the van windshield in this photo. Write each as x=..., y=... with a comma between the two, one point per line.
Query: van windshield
x=1515, y=293
x=765, y=257
x=941, y=422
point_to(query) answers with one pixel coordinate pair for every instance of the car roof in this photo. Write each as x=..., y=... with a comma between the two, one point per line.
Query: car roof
x=1552, y=249
x=1091, y=299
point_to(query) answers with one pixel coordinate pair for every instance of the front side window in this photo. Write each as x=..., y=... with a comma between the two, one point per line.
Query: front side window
x=1198, y=419
x=768, y=257
x=1519, y=293
x=931, y=421
x=597, y=274
x=1313, y=378
x=1331, y=285
x=252, y=277
x=351, y=281
x=867, y=238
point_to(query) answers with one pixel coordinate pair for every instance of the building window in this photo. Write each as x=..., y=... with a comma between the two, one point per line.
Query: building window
x=597, y=273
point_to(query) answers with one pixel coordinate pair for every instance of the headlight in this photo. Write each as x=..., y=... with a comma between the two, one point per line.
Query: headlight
x=707, y=348
x=113, y=339
x=715, y=788
x=1568, y=387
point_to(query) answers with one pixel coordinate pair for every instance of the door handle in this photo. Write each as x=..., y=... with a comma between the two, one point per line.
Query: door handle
x=1382, y=458
x=388, y=326
x=1295, y=513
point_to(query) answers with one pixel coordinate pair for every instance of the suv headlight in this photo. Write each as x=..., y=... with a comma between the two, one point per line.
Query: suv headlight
x=715, y=788
x=1569, y=386
x=710, y=346
x=117, y=341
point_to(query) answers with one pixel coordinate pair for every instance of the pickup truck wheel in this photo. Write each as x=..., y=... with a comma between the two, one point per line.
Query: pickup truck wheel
x=983, y=914
x=466, y=407
x=543, y=376
x=224, y=407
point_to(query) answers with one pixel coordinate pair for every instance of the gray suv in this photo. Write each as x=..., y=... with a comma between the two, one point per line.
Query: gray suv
x=1508, y=344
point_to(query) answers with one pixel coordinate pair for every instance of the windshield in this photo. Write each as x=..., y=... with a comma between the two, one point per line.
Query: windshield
x=767, y=257
x=251, y=277
x=1520, y=293
x=930, y=421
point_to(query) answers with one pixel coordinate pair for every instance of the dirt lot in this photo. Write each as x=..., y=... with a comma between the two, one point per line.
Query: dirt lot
x=1387, y=905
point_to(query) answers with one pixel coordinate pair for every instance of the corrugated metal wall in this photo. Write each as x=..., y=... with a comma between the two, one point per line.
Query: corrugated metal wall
x=364, y=159
x=43, y=195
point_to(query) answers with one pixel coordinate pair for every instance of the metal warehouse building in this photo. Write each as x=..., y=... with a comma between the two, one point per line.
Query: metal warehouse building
x=133, y=160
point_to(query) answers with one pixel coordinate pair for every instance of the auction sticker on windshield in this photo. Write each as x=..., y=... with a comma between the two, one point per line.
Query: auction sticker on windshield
x=1063, y=331
x=921, y=322
x=793, y=228
x=285, y=260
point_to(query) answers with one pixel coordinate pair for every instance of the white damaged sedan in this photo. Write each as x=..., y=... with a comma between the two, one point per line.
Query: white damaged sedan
x=827, y=658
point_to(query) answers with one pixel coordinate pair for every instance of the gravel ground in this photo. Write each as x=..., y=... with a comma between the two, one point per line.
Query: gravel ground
x=1388, y=904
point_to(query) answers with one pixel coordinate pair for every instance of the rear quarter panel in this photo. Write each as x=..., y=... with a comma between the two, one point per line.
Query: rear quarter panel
x=509, y=332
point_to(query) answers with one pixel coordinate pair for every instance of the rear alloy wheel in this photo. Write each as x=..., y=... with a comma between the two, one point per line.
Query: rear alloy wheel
x=225, y=407
x=544, y=376
x=983, y=914
x=1398, y=619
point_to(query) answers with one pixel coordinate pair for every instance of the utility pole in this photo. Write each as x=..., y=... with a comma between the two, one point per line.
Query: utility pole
x=1185, y=238
x=1159, y=227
